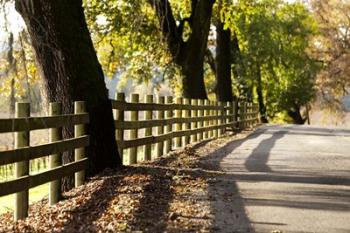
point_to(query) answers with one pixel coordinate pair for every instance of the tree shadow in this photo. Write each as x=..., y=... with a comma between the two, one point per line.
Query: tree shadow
x=228, y=206
x=259, y=157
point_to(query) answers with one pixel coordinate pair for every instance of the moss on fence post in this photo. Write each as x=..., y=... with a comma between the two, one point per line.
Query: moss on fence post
x=55, y=109
x=22, y=168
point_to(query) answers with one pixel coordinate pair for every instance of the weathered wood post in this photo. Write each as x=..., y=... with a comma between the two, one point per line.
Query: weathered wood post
x=200, y=115
x=220, y=121
x=148, y=131
x=187, y=125
x=251, y=115
x=22, y=139
x=194, y=103
x=160, y=131
x=230, y=112
x=119, y=135
x=206, y=114
x=216, y=121
x=79, y=153
x=178, y=126
x=245, y=115
x=239, y=115
x=212, y=114
x=134, y=115
x=55, y=109
x=169, y=127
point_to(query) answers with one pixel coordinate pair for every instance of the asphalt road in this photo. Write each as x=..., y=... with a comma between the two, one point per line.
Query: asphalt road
x=288, y=179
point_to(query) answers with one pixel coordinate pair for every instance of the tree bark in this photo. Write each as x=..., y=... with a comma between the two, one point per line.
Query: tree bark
x=189, y=55
x=296, y=116
x=262, y=107
x=223, y=64
x=71, y=71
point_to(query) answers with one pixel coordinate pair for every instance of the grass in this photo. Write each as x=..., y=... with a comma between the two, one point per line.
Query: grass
x=7, y=203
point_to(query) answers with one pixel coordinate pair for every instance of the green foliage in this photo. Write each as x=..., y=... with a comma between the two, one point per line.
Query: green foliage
x=127, y=38
x=274, y=38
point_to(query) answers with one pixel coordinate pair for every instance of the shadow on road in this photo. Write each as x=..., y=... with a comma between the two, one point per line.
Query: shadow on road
x=259, y=157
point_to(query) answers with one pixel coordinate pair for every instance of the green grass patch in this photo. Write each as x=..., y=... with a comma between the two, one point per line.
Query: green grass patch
x=7, y=203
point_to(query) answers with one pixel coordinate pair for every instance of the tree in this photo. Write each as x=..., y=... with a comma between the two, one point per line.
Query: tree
x=332, y=48
x=188, y=54
x=71, y=71
x=274, y=38
x=223, y=59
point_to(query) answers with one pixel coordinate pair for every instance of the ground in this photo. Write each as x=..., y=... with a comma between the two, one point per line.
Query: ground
x=276, y=179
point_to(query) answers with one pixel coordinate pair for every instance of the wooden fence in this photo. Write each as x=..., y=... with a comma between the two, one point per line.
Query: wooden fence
x=168, y=124
x=22, y=125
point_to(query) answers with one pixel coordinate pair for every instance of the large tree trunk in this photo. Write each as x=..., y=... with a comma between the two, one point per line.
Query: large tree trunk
x=71, y=71
x=189, y=55
x=296, y=115
x=262, y=107
x=223, y=64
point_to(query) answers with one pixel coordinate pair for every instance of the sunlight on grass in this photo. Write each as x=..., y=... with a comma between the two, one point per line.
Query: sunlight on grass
x=35, y=194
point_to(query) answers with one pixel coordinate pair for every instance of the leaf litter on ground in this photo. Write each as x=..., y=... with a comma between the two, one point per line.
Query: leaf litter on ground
x=169, y=194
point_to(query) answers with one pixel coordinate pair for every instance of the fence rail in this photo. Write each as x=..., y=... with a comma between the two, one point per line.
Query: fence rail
x=22, y=125
x=167, y=123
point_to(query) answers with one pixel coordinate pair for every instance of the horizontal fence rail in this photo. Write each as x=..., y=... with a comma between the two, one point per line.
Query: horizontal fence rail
x=168, y=123
x=23, y=153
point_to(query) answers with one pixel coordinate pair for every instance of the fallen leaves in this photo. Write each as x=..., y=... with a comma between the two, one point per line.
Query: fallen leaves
x=167, y=195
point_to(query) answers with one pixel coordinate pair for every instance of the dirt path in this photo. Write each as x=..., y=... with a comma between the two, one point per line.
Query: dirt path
x=276, y=179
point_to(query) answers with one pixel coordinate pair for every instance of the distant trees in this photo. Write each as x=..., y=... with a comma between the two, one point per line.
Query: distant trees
x=332, y=49
x=274, y=38
x=71, y=71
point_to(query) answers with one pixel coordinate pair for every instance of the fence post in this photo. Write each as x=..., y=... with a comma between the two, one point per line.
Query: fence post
x=79, y=153
x=211, y=122
x=21, y=168
x=215, y=113
x=194, y=103
x=245, y=125
x=160, y=131
x=134, y=115
x=201, y=122
x=119, y=136
x=55, y=109
x=206, y=122
x=220, y=113
x=178, y=126
x=169, y=127
x=187, y=125
x=239, y=115
x=250, y=115
x=148, y=131
x=230, y=118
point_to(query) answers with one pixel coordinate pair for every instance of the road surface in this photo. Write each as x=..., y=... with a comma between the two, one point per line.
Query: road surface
x=288, y=179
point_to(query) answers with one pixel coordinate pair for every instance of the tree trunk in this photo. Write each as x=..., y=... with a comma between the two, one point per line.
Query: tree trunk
x=71, y=71
x=223, y=64
x=296, y=116
x=189, y=55
x=262, y=107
